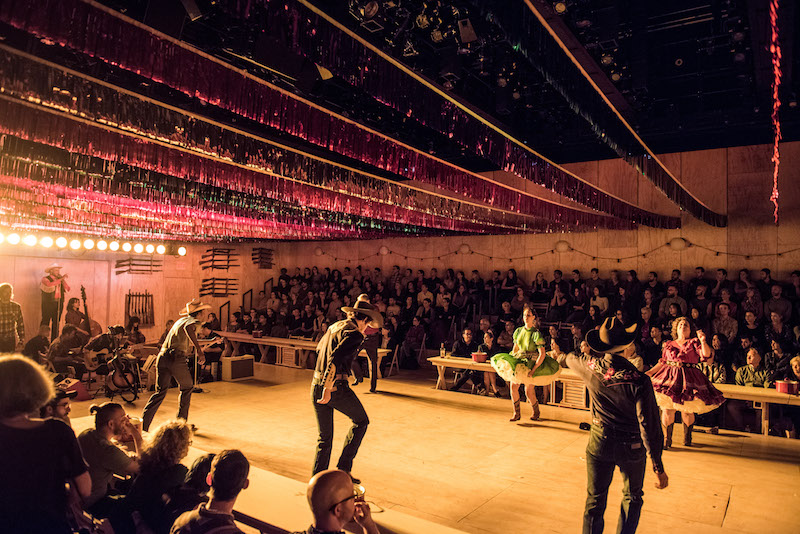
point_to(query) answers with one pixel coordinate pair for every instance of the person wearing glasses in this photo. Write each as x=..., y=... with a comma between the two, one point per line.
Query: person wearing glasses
x=334, y=502
x=59, y=406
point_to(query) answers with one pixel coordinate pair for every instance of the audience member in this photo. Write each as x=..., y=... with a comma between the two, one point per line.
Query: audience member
x=464, y=348
x=37, y=457
x=36, y=348
x=62, y=355
x=227, y=478
x=673, y=296
x=105, y=458
x=329, y=495
x=59, y=407
x=778, y=304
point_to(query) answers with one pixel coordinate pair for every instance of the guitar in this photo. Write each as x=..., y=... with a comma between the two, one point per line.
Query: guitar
x=92, y=359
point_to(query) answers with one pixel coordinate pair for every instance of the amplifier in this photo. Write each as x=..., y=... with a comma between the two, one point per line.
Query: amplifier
x=237, y=368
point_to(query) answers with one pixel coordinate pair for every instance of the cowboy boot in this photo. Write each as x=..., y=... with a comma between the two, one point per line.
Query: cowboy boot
x=668, y=435
x=535, y=408
x=516, y=412
x=687, y=434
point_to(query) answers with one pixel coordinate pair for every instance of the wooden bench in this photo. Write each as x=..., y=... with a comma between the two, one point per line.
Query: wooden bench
x=575, y=394
x=288, y=349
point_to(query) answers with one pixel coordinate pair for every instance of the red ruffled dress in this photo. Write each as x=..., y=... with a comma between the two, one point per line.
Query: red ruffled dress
x=680, y=384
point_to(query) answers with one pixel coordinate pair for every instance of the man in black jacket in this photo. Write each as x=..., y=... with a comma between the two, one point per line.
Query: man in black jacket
x=330, y=389
x=625, y=423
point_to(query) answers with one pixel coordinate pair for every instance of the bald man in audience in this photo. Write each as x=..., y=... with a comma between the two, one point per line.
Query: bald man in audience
x=334, y=503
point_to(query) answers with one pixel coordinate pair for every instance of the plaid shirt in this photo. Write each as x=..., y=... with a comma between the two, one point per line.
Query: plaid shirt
x=11, y=319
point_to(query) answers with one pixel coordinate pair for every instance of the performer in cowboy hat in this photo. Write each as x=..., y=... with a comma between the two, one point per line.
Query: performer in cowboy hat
x=330, y=389
x=625, y=423
x=53, y=287
x=172, y=359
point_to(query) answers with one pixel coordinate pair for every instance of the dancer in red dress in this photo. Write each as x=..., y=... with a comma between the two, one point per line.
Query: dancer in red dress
x=679, y=383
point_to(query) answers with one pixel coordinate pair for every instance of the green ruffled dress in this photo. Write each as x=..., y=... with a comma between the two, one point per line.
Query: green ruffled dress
x=516, y=368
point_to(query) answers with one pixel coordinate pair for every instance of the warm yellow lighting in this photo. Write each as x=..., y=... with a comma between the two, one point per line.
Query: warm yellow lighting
x=75, y=244
x=182, y=251
x=102, y=245
x=2, y=238
x=46, y=241
x=150, y=248
x=88, y=244
x=13, y=239
x=30, y=240
x=161, y=249
x=126, y=247
x=61, y=242
x=138, y=248
x=114, y=246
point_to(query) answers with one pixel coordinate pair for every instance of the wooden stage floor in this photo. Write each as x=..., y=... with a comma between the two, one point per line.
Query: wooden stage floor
x=454, y=459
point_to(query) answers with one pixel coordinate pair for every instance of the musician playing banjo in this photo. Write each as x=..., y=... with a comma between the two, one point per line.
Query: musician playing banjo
x=330, y=389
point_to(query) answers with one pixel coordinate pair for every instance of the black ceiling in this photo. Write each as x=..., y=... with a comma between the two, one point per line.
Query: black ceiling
x=686, y=75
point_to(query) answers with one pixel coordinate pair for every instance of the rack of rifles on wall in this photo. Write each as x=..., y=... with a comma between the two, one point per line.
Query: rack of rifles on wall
x=219, y=259
x=263, y=257
x=140, y=305
x=139, y=265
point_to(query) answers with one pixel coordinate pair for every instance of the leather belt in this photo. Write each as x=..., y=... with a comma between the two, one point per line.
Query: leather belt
x=319, y=374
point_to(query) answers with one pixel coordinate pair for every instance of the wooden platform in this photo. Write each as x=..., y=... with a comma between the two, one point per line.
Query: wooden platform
x=453, y=459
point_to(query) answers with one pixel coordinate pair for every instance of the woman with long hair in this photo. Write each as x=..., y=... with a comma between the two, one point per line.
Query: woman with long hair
x=160, y=472
x=527, y=364
x=679, y=384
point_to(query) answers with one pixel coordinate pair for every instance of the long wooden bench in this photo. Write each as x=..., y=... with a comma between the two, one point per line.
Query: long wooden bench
x=288, y=349
x=575, y=395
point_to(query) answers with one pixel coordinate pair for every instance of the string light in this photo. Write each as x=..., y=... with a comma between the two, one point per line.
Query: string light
x=150, y=248
x=138, y=248
x=13, y=239
x=161, y=249
x=126, y=247
x=88, y=244
x=46, y=241
x=102, y=245
x=61, y=242
x=75, y=244
x=114, y=246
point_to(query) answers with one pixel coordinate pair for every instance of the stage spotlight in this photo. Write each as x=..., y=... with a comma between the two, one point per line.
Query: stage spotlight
x=114, y=246
x=75, y=244
x=61, y=242
x=102, y=245
x=181, y=251
x=13, y=239
x=150, y=248
x=616, y=76
x=88, y=244
x=606, y=59
x=46, y=241
x=126, y=247
x=560, y=7
x=161, y=249
x=30, y=240
x=138, y=248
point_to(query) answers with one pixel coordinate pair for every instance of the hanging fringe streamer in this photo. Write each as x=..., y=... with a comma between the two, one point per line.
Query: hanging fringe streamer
x=775, y=49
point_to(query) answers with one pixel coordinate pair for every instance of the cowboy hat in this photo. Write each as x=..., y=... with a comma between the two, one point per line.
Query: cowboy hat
x=612, y=336
x=365, y=308
x=194, y=306
x=52, y=267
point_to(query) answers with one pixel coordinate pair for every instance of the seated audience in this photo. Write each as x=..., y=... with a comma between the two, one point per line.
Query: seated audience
x=37, y=457
x=754, y=374
x=778, y=304
x=593, y=319
x=463, y=348
x=653, y=347
x=160, y=473
x=59, y=407
x=490, y=347
x=599, y=300
x=673, y=296
x=506, y=338
x=334, y=503
x=105, y=458
x=409, y=350
x=716, y=373
x=777, y=360
x=227, y=478
x=725, y=324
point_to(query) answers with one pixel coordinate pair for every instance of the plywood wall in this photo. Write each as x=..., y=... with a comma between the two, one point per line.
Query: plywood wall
x=176, y=284
x=736, y=181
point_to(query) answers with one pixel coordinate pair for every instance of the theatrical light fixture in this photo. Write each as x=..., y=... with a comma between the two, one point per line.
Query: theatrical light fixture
x=61, y=242
x=13, y=239
x=560, y=7
x=150, y=248
x=30, y=240
x=606, y=59
x=88, y=244
x=161, y=249
x=75, y=244
x=46, y=241
x=114, y=246
x=102, y=245
x=181, y=251
x=138, y=248
x=616, y=76
x=126, y=247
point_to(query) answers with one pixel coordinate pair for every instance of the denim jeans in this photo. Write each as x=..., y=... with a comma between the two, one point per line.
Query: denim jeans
x=167, y=368
x=346, y=402
x=605, y=451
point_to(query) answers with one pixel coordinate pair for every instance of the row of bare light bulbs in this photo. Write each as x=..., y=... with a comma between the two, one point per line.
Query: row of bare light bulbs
x=86, y=244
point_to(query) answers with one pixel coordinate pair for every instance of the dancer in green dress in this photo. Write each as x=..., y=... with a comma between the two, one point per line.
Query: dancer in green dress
x=527, y=364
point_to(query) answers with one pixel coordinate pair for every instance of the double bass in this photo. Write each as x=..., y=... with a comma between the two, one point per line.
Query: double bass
x=91, y=329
